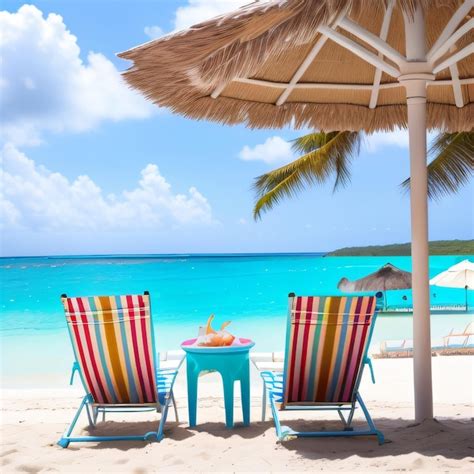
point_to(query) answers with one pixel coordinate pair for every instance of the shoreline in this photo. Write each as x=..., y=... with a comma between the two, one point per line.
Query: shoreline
x=47, y=353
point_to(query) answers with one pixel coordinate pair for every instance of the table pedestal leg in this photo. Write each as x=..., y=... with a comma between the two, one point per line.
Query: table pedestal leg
x=229, y=400
x=192, y=378
x=245, y=395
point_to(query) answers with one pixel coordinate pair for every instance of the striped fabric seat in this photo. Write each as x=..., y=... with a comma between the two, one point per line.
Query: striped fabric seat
x=113, y=345
x=327, y=339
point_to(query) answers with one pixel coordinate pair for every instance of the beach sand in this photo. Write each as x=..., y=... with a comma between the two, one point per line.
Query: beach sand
x=33, y=420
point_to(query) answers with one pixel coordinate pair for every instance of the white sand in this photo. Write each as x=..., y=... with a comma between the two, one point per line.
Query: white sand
x=33, y=420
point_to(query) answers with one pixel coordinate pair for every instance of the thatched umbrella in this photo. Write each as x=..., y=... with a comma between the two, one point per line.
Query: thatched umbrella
x=389, y=277
x=331, y=65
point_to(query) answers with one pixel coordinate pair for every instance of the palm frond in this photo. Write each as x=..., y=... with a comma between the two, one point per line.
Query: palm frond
x=311, y=141
x=452, y=165
x=325, y=154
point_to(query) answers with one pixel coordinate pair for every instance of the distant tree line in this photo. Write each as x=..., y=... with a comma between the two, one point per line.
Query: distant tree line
x=438, y=247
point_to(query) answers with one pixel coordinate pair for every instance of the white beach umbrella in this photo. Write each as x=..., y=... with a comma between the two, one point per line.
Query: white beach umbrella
x=359, y=65
x=460, y=275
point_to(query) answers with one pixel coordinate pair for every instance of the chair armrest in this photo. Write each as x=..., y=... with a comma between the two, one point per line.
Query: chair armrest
x=169, y=374
x=165, y=379
x=75, y=368
x=180, y=363
x=271, y=377
x=171, y=360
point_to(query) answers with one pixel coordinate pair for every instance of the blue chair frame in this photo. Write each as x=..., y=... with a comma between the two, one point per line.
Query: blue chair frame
x=274, y=387
x=165, y=379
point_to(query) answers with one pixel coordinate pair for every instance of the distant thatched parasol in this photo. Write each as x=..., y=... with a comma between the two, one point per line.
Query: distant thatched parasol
x=389, y=277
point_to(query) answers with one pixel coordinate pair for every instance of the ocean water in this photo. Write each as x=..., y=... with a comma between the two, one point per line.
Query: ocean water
x=250, y=290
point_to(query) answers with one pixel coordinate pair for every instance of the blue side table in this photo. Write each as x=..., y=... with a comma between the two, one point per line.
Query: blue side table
x=232, y=362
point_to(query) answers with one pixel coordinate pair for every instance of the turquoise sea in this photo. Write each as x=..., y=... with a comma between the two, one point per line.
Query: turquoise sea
x=251, y=290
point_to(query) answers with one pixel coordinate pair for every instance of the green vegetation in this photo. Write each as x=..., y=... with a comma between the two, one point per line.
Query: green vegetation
x=438, y=247
x=323, y=156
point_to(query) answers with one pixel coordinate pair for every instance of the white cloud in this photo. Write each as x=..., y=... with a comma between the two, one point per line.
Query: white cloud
x=197, y=11
x=273, y=150
x=46, y=86
x=376, y=141
x=399, y=138
x=32, y=197
x=154, y=31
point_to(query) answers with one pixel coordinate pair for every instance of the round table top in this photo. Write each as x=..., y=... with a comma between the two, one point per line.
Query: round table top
x=240, y=344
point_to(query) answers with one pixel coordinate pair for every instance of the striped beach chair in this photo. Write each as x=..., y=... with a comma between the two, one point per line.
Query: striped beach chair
x=114, y=348
x=327, y=340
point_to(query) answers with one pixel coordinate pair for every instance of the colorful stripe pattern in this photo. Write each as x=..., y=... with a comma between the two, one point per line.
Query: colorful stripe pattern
x=112, y=341
x=327, y=338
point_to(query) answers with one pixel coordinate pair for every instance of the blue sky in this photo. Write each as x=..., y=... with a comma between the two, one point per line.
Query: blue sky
x=90, y=167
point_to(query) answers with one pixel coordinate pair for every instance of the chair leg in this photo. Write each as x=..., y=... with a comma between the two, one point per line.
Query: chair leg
x=284, y=433
x=276, y=419
x=175, y=407
x=341, y=416
x=89, y=415
x=67, y=438
x=351, y=415
x=347, y=422
x=95, y=415
x=264, y=402
x=161, y=428
x=370, y=422
x=64, y=441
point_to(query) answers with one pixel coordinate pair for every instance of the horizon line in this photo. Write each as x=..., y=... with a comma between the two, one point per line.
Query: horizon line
x=167, y=255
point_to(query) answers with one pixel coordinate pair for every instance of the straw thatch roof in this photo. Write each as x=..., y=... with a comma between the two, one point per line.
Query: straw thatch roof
x=389, y=277
x=247, y=58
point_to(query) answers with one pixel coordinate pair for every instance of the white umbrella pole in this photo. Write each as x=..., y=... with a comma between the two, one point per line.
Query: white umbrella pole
x=465, y=287
x=419, y=252
x=415, y=85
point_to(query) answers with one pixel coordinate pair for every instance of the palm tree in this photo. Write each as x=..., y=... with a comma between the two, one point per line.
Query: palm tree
x=326, y=155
